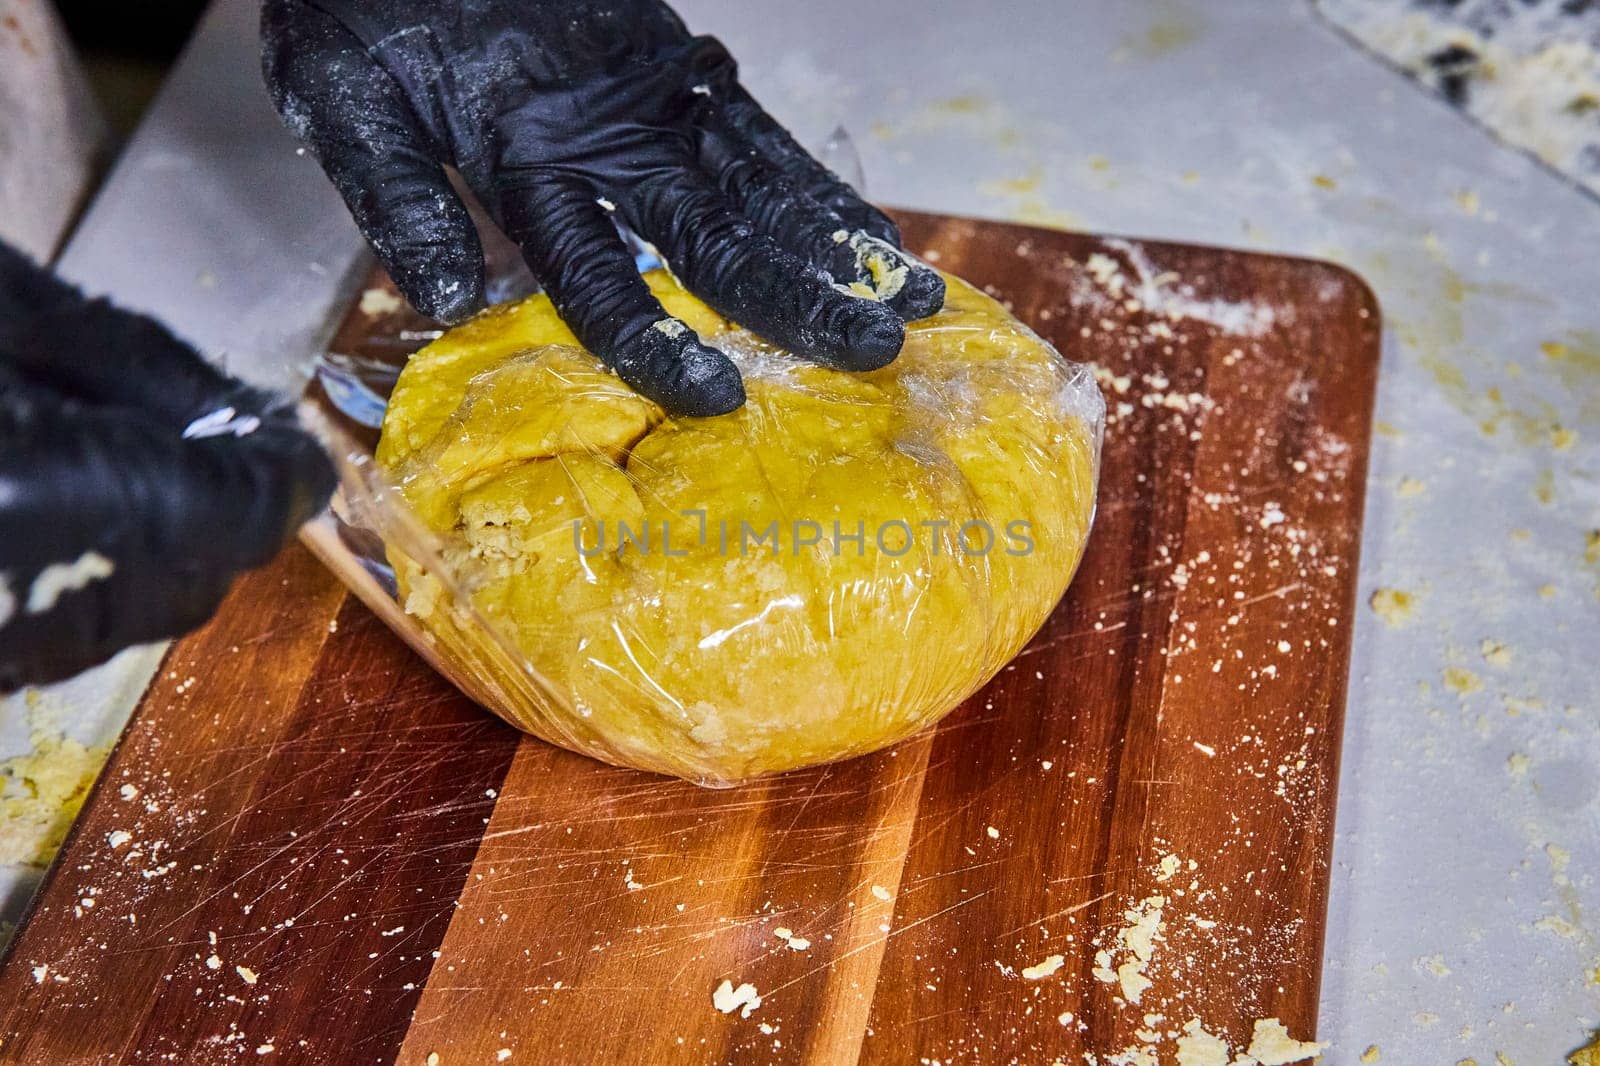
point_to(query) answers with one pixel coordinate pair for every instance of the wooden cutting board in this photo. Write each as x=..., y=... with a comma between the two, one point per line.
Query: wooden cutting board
x=309, y=846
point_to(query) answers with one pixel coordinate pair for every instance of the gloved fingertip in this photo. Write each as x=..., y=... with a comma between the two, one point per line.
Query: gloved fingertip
x=710, y=384
x=450, y=298
x=438, y=267
x=873, y=336
x=921, y=295
x=679, y=373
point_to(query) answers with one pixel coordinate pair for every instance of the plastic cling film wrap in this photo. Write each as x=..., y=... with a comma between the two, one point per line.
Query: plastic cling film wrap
x=815, y=576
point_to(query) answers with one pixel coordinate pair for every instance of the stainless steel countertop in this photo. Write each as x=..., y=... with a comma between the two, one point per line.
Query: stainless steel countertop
x=1469, y=816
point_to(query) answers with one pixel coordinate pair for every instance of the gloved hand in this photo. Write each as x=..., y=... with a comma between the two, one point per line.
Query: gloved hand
x=557, y=112
x=117, y=526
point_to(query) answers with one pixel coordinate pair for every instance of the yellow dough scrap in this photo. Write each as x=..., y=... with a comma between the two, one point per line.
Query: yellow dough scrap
x=678, y=588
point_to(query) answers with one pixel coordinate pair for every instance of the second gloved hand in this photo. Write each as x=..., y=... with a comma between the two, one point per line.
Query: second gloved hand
x=136, y=480
x=556, y=112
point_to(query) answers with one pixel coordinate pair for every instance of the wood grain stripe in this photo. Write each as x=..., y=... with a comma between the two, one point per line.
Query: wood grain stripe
x=304, y=804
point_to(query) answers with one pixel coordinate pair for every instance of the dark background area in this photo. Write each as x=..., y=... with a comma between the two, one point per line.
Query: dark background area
x=126, y=49
x=152, y=30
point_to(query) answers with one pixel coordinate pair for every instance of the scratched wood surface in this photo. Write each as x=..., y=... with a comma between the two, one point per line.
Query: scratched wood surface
x=309, y=846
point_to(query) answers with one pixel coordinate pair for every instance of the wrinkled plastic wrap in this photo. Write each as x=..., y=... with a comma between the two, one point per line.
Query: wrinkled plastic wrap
x=815, y=576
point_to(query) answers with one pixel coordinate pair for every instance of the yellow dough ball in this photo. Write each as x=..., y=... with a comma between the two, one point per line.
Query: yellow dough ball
x=816, y=575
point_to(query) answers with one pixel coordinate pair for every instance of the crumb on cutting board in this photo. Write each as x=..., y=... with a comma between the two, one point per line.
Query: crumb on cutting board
x=1271, y=1045
x=743, y=999
x=1039, y=971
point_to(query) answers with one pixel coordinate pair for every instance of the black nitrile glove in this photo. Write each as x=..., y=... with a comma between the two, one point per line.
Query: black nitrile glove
x=117, y=527
x=556, y=110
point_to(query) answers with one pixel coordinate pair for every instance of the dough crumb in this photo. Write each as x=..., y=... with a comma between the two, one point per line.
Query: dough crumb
x=1196, y=1047
x=1410, y=486
x=1145, y=928
x=246, y=974
x=796, y=943
x=375, y=303
x=743, y=999
x=1434, y=964
x=59, y=578
x=1495, y=653
x=1395, y=606
x=1136, y=941
x=1559, y=926
x=1461, y=680
x=1130, y=975
x=1271, y=1045
x=1371, y=1054
x=1044, y=969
